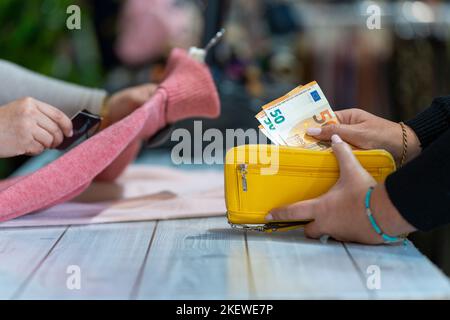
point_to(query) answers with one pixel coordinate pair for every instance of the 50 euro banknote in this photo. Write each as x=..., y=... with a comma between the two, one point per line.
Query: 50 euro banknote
x=287, y=119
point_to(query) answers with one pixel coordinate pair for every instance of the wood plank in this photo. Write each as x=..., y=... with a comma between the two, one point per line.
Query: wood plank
x=22, y=250
x=405, y=272
x=195, y=259
x=290, y=266
x=109, y=256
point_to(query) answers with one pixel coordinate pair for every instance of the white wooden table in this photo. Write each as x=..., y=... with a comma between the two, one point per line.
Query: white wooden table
x=204, y=259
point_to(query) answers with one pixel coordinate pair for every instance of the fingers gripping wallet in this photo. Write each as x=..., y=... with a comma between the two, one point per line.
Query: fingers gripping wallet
x=259, y=178
x=188, y=91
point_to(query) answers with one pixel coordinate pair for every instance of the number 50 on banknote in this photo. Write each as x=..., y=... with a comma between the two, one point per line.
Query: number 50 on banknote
x=286, y=119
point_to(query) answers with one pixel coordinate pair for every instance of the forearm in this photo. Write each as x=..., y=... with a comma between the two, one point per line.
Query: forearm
x=413, y=147
x=17, y=82
x=416, y=197
x=393, y=142
x=386, y=214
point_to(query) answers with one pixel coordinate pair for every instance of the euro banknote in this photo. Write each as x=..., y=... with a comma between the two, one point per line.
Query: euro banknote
x=286, y=119
x=268, y=128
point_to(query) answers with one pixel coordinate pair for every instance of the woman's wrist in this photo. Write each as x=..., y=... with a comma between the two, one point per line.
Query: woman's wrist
x=414, y=147
x=395, y=143
x=386, y=214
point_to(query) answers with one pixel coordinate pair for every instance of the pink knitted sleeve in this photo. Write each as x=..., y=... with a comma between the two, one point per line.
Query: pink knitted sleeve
x=192, y=95
x=188, y=91
x=119, y=165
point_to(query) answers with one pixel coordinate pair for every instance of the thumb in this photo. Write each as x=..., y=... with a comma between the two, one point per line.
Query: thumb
x=347, y=132
x=300, y=211
x=344, y=154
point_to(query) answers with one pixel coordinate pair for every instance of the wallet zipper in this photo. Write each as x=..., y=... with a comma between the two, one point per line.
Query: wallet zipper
x=270, y=227
x=243, y=170
x=303, y=171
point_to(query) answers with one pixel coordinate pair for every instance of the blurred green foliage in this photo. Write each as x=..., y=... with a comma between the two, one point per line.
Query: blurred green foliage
x=33, y=33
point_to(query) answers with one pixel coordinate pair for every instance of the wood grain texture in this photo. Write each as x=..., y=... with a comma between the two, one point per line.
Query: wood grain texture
x=195, y=259
x=289, y=266
x=22, y=251
x=404, y=272
x=204, y=259
x=109, y=257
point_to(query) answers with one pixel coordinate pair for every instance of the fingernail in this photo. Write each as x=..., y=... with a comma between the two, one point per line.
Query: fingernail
x=314, y=131
x=336, y=139
x=269, y=217
x=71, y=134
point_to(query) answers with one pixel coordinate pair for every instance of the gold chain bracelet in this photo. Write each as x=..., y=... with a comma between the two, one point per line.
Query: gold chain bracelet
x=405, y=144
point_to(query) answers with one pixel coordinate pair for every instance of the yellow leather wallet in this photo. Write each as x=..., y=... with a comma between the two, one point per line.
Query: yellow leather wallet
x=259, y=178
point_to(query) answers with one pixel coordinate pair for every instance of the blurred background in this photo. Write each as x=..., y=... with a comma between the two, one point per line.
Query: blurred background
x=270, y=47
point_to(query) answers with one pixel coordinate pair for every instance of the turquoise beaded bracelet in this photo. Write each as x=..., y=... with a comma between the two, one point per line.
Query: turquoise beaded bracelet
x=387, y=239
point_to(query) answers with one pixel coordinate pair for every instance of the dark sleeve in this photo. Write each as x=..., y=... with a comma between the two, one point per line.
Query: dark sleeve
x=433, y=122
x=421, y=190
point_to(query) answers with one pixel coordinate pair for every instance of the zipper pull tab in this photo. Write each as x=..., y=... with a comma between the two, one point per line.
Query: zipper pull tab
x=243, y=170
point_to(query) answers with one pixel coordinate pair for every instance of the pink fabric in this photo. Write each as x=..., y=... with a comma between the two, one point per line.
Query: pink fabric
x=188, y=86
x=190, y=95
x=116, y=168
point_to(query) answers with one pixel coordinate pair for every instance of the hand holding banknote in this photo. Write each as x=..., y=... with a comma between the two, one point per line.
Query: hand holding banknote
x=367, y=131
x=286, y=120
x=304, y=118
x=338, y=215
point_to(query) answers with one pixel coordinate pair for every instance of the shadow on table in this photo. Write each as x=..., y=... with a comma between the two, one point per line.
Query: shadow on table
x=289, y=236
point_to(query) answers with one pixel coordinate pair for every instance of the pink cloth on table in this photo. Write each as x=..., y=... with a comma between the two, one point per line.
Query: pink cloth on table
x=188, y=91
x=142, y=193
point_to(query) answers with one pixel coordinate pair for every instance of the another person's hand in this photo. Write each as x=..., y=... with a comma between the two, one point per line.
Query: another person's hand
x=340, y=213
x=367, y=131
x=29, y=126
x=124, y=102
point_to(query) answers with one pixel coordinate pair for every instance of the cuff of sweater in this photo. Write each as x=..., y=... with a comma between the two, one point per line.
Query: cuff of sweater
x=396, y=195
x=431, y=123
x=187, y=99
x=410, y=201
x=183, y=103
